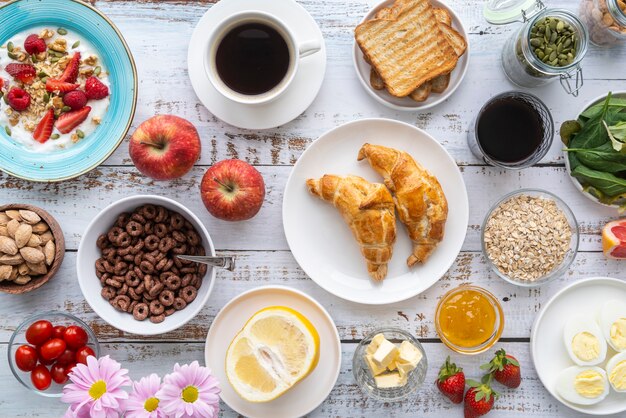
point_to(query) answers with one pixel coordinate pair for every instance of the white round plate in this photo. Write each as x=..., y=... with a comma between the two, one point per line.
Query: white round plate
x=294, y=101
x=406, y=103
x=546, y=340
x=568, y=170
x=89, y=283
x=309, y=393
x=323, y=244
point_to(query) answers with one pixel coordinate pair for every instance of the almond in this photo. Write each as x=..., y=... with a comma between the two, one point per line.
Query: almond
x=40, y=227
x=22, y=280
x=49, y=251
x=29, y=216
x=32, y=255
x=14, y=214
x=5, y=272
x=14, y=273
x=4, y=218
x=36, y=269
x=12, y=227
x=23, y=234
x=8, y=246
x=45, y=237
x=4, y=231
x=23, y=269
x=11, y=260
x=34, y=240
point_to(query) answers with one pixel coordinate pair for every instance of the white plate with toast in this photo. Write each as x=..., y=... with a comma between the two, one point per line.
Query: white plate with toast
x=430, y=93
x=324, y=245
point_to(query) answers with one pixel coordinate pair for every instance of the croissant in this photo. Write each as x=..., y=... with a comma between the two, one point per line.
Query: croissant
x=419, y=198
x=368, y=210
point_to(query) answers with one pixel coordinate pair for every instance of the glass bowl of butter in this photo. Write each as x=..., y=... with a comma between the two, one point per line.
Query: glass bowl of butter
x=389, y=364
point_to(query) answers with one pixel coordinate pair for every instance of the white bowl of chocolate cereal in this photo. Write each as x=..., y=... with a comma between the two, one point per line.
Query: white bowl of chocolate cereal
x=128, y=270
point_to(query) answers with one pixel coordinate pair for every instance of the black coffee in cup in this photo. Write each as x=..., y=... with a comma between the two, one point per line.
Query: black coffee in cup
x=252, y=58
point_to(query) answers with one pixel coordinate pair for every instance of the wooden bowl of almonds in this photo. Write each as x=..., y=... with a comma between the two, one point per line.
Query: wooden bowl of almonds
x=32, y=247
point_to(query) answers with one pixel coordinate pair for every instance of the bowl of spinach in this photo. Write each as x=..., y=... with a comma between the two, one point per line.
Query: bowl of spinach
x=595, y=148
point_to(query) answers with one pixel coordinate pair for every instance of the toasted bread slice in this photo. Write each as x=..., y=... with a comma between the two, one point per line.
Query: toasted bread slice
x=408, y=50
x=421, y=93
x=456, y=40
x=440, y=84
x=443, y=15
x=376, y=82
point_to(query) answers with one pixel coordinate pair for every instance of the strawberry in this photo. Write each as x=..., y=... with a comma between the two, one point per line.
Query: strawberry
x=1, y=83
x=44, y=128
x=21, y=72
x=70, y=120
x=479, y=398
x=34, y=44
x=71, y=71
x=95, y=89
x=60, y=86
x=18, y=99
x=505, y=369
x=75, y=99
x=451, y=381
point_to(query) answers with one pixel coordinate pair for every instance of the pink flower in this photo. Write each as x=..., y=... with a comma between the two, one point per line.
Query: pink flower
x=96, y=389
x=143, y=402
x=190, y=391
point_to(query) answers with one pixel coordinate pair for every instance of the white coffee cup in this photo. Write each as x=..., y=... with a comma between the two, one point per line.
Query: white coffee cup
x=297, y=50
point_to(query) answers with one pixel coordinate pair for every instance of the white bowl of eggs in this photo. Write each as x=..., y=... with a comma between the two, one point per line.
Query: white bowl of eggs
x=578, y=345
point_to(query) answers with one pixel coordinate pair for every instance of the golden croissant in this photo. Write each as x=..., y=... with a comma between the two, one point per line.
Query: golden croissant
x=368, y=210
x=419, y=198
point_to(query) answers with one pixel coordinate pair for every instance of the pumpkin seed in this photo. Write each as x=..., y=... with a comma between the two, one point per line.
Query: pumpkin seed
x=80, y=133
x=44, y=80
x=65, y=109
x=55, y=136
x=7, y=130
x=10, y=46
x=46, y=97
x=42, y=74
x=75, y=44
x=54, y=59
x=12, y=55
x=97, y=70
x=62, y=31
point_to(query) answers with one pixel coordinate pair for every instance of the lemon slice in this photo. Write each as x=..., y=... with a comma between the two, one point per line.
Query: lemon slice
x=277, y=348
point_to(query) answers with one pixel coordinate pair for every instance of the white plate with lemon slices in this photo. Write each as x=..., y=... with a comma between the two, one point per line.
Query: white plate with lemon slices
x=549, y=352
x=258, y=357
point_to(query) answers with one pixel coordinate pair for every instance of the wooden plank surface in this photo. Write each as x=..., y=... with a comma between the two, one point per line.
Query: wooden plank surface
x=158, y=33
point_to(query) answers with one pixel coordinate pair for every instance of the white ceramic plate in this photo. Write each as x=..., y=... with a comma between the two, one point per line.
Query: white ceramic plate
x=405, y=103
x=294, y=101
x=89, y=283
x=547, y=348
x=579, y=187
x=309, y=393
x=323, y=244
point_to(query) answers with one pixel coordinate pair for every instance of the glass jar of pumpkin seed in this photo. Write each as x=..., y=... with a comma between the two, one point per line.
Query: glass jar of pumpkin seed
x=549, y=45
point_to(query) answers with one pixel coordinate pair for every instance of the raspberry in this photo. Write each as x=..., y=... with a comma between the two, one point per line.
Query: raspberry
x=18, y=99
x=21, y=72
x=34, y=44
x=75, y=99
x=95, y=90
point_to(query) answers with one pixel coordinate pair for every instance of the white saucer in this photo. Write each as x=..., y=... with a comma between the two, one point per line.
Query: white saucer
x=307, y=394
x=322, y=243
x=546, y=340
x=294, y=101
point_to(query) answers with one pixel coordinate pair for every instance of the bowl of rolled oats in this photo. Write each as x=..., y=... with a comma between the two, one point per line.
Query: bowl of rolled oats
x=530, y=237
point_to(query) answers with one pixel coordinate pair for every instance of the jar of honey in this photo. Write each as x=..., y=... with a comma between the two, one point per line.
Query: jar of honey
x=469, y=319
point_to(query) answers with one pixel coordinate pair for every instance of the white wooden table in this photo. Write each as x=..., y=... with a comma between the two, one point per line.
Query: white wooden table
x=158, y=32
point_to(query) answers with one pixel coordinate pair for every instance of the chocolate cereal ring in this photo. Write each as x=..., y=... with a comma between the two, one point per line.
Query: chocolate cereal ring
x=137, y=247
x=177, y=221
x=166, y=244
x=161, y=214
x=123, y=239
x=141, y=311
x=160, y=230
x=164, y=265
x=134, y=228
x=108, y=292
x=151, y=242
x=157, y=319
x=169, y=311
x=147, y=267
x=189, y=294
x=121, y=302
x=179, y=304
x=131, y=307
x=186, y=281
x=137, y=217
x=173, y=282
x=132, y=279
x=102, y=242
x=166, y=298
x=133, y=294
x=114, y=233
x=148, y=211
x=100, y=265
x=156, y=308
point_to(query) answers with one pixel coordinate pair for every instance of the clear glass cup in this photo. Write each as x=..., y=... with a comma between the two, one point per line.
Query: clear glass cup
x=569, y=256
x=365, y=379
x=544, y=146
x=19, y=338
x=605, y=20
x=495, y=333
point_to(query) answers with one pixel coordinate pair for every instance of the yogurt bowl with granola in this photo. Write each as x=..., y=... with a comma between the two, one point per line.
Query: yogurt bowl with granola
x=55, y=89
x=68, y=88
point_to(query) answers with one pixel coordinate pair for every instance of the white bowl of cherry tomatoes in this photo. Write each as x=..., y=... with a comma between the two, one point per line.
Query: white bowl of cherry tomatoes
x=44, y=349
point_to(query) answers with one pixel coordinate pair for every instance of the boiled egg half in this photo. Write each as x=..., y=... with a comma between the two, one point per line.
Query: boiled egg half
x=612, y=321
x=584, y=341
x=582, y=385
x=616, y=372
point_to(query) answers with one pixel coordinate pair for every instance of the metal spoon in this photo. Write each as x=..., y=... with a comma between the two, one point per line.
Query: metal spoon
x=227, y=263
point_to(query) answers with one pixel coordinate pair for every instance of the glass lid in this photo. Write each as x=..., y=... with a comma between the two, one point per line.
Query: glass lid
x=502, y=12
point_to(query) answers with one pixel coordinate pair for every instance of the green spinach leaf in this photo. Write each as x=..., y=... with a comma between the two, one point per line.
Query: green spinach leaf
x=597, y=108
x=607, y=183
x=602, y=158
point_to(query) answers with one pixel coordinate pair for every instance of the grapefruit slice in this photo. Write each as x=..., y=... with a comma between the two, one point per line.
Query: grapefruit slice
x=614, y=239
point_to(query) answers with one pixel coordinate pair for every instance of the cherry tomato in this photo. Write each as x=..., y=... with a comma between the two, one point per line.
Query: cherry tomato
x=43, y=360
x=75, y=337
x=67, y=357
x=58, y=374
x=39, y=332
x=69, y=368
x=83, y=353
x=40, y=376
x=53, y=348
x=26, y=358
x=57, y=332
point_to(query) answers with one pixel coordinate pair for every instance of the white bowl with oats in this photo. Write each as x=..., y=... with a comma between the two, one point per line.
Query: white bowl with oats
x=530, y=237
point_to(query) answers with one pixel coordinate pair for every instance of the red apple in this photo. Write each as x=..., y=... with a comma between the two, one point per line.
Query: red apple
x=232, y=190
x=165, y=147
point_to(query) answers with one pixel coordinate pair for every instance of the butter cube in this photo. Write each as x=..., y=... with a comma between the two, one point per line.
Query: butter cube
x=392, y=366
x=389, y=380
x=385, y=354
x=408, y=358
x=375, y=343
x=376, y=369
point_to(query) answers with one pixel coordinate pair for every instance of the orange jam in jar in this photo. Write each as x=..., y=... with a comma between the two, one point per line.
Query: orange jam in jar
x=469, y=319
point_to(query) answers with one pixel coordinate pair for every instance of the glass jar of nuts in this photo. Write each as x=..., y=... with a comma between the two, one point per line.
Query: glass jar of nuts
x=606, y=21
x=549, y=46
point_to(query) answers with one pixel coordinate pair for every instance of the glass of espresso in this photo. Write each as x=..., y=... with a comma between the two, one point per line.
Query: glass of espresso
x=512, y=130
x=252, y=57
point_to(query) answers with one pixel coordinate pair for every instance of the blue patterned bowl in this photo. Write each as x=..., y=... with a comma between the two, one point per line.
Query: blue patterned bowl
x=19, y=161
